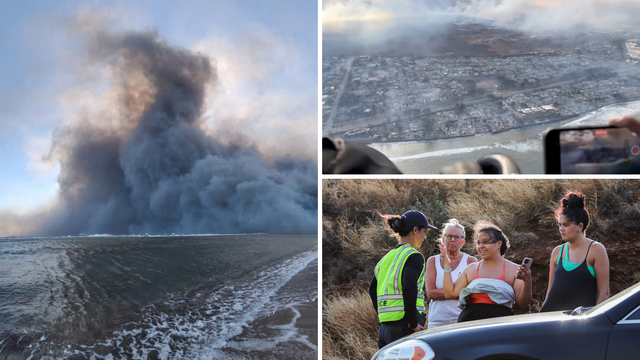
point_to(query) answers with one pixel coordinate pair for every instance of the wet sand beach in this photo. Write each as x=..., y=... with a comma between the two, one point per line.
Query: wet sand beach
x=290, y=331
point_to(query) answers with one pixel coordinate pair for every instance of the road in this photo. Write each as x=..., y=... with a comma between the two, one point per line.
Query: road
x=334, y=109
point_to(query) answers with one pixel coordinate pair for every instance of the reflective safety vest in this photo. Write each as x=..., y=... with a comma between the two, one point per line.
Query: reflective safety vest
x=388, y=274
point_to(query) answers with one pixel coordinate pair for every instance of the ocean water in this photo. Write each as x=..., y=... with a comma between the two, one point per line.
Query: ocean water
x=524, y=146
x=159, y=297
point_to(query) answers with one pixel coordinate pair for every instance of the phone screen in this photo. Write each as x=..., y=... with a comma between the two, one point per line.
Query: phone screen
x=603, y=150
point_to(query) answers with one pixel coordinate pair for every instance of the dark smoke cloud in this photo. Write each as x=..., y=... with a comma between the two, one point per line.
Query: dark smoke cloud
x=154, y=170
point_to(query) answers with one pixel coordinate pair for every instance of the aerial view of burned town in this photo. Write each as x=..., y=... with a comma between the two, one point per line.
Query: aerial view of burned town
x=451, y=77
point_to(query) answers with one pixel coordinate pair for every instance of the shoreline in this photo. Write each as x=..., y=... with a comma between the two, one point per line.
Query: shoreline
x=288, y=332
x=523, y=145
x=524, y=127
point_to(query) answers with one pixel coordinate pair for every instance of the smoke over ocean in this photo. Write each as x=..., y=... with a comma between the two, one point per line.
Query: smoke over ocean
x=146, y=165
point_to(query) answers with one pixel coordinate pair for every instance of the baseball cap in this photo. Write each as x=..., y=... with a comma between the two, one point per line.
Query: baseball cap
x=416, y=218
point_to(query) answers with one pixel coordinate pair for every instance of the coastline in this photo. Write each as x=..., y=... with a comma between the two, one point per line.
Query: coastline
x=567, y=118
x=524, y=145
x=287, y=332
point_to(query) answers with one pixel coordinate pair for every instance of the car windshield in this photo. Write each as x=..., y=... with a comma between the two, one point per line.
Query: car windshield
x=431, y=83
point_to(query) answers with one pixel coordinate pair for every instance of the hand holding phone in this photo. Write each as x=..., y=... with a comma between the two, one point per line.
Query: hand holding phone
x=628, y=122
x=592, y=150
x=526, y=263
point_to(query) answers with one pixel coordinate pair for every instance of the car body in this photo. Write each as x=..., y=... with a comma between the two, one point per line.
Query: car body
x=610, y=330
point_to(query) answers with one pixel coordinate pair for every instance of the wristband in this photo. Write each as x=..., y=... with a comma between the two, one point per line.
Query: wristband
x=447, y=270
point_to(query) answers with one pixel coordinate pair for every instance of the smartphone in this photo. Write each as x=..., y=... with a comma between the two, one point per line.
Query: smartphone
x=527, y=263
x=591, y=150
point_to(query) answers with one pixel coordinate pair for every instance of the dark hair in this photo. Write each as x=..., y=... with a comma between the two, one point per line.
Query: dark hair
x=396, y=226
x=494, y=232
x=572, y=205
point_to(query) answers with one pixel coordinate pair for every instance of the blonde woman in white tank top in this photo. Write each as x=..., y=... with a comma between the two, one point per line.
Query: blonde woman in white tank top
x=442, y=311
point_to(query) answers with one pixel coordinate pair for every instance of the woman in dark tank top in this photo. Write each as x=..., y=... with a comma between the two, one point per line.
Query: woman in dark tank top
x=585, y=280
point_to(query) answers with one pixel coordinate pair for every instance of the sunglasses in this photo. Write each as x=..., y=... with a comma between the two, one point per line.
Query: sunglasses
x=486, y=242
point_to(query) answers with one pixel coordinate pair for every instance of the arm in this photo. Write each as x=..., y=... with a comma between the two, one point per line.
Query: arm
x=452, y=290
x=601, y=266
x=410, y=274
x=522, y=288
x=552, y=266
x=373, y=292
x=432, y=292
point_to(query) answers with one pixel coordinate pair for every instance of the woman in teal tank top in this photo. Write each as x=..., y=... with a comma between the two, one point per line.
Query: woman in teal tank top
x=579, y=269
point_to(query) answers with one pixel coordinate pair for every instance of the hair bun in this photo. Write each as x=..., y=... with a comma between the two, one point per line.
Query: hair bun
x=573, y=207
x=573, y=199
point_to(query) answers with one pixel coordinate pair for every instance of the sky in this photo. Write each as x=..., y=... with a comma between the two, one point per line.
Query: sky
x=72, y=75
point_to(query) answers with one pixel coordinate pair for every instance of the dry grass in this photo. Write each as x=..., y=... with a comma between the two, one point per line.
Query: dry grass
x=515, y=205
x=357, y=200
x=349, y=328
x=353, y=234
x=536, y=305
x=622, y=284
x=510, y=204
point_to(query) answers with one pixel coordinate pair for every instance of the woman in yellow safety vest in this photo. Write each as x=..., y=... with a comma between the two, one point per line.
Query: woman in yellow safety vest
x=397, y=288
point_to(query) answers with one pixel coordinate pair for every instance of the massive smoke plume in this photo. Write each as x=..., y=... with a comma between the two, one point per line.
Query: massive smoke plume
x=145, y=164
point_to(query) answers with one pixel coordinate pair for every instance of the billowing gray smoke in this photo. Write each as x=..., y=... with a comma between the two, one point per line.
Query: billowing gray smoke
x=154, y=170
x=384, y=27
x=420, y=27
